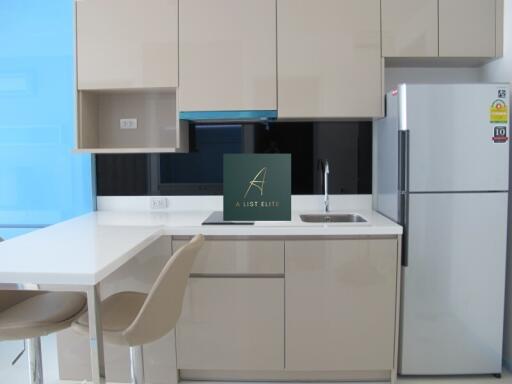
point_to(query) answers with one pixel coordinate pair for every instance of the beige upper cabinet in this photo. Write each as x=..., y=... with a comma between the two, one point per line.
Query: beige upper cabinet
x=227, y=55
x=329, y=58
x=409, y=28
x=340, y=300
x=127, y=44
x=467, y=28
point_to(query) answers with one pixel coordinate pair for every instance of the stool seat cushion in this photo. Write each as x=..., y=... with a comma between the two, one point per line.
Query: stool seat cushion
x=117, y=313
x=41, y=315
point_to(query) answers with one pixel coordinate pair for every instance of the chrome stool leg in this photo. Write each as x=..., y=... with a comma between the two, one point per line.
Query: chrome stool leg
x=35, y=360
x=137, y=364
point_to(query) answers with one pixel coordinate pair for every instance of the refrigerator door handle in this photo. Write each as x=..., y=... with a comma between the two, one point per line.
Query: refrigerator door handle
x=404, y=218
x=403, y=161
x=403, y=190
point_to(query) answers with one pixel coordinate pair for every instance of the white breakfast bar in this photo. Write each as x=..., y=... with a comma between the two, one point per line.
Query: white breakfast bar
x=76, y=255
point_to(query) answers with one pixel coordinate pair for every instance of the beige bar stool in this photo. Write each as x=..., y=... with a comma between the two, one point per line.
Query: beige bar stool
x=134, y=319
x=28, y=315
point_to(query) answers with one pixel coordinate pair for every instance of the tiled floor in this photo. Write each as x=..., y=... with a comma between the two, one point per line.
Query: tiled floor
x=18, y=374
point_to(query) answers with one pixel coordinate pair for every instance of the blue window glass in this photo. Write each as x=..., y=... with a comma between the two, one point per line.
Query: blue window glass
x=41, y=180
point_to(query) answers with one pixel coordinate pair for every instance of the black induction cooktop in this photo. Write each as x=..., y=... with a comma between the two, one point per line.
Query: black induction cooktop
x=217, y=218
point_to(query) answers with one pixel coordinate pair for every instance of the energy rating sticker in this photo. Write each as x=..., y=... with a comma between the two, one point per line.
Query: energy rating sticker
x=500, y=135
x=499, y=112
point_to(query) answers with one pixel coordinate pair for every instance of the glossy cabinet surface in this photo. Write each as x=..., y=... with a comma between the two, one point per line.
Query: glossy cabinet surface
x=467, y=28
x=232, y=257
x=329, y=58
x=232, y=324
x=227, y=55
x=410, y=28
x=341, y=304
x=124, y=44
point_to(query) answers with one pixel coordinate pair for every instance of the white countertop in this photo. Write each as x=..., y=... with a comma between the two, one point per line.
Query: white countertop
x=84, y=250
x=189, y=223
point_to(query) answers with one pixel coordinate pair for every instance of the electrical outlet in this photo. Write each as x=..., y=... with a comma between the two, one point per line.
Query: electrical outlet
x=158, y=203
x=128, y=123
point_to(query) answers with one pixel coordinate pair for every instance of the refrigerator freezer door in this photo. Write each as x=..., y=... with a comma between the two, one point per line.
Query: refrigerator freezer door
x=453, y=288
x=451, y=138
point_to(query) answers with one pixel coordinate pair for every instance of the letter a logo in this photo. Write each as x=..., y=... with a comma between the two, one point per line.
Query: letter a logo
x=257, y=182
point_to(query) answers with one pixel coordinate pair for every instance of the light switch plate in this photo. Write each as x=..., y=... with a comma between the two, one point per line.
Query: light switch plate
x=128, y=123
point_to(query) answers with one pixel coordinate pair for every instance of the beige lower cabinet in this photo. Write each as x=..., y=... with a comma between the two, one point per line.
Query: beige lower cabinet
x=238, y=257
x=341, y=304
x=232, y=324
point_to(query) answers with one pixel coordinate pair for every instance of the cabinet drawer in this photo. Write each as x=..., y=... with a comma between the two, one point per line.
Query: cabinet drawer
x=238, y=257
x=232, y=324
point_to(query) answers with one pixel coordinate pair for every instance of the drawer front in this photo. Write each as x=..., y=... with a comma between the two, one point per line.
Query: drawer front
x=232, y=324
x=238, y=257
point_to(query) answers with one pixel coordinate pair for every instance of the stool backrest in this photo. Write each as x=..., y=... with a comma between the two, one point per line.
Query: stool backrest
x=162, y=307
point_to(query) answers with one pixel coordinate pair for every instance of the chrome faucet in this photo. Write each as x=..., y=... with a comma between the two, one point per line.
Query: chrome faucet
x=325, y=168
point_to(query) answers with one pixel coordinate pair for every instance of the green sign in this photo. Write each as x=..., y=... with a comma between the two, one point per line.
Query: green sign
x=257, y=187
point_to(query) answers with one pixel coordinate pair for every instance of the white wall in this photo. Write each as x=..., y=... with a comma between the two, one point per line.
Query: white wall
x=501, y=71
x=395, y=76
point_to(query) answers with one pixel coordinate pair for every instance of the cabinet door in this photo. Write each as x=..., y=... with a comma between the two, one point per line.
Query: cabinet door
x=227, y=55
x=238, y=257
x=410, y=28
x=232, y=324
x=467, y=28
x=123, y=44
x=340, y=304
x=329, y=58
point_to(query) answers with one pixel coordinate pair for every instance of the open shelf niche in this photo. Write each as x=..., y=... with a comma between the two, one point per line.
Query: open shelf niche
x=100, y=114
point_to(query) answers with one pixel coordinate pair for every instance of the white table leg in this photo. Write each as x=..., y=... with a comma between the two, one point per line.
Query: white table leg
x=96, y=335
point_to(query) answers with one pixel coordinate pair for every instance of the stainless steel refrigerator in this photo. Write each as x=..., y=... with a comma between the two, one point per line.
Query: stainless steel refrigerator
x=441, y=169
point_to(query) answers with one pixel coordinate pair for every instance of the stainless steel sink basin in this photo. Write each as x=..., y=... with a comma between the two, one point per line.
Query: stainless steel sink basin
x=332, y=218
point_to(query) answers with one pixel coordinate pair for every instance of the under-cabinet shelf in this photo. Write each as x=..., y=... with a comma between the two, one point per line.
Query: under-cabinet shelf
x=101, y=129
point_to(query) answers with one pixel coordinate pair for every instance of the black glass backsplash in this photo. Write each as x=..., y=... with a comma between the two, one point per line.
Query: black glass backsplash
x=346, y=145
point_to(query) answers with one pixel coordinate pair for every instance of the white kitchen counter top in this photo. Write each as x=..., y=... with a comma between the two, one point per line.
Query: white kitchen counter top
x=86, y=249
x=189, y=223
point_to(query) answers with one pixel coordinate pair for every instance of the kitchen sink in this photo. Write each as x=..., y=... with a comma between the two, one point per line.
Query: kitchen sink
x=333, y=218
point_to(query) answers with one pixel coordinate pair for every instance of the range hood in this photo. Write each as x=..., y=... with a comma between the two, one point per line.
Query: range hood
x=246, y=116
